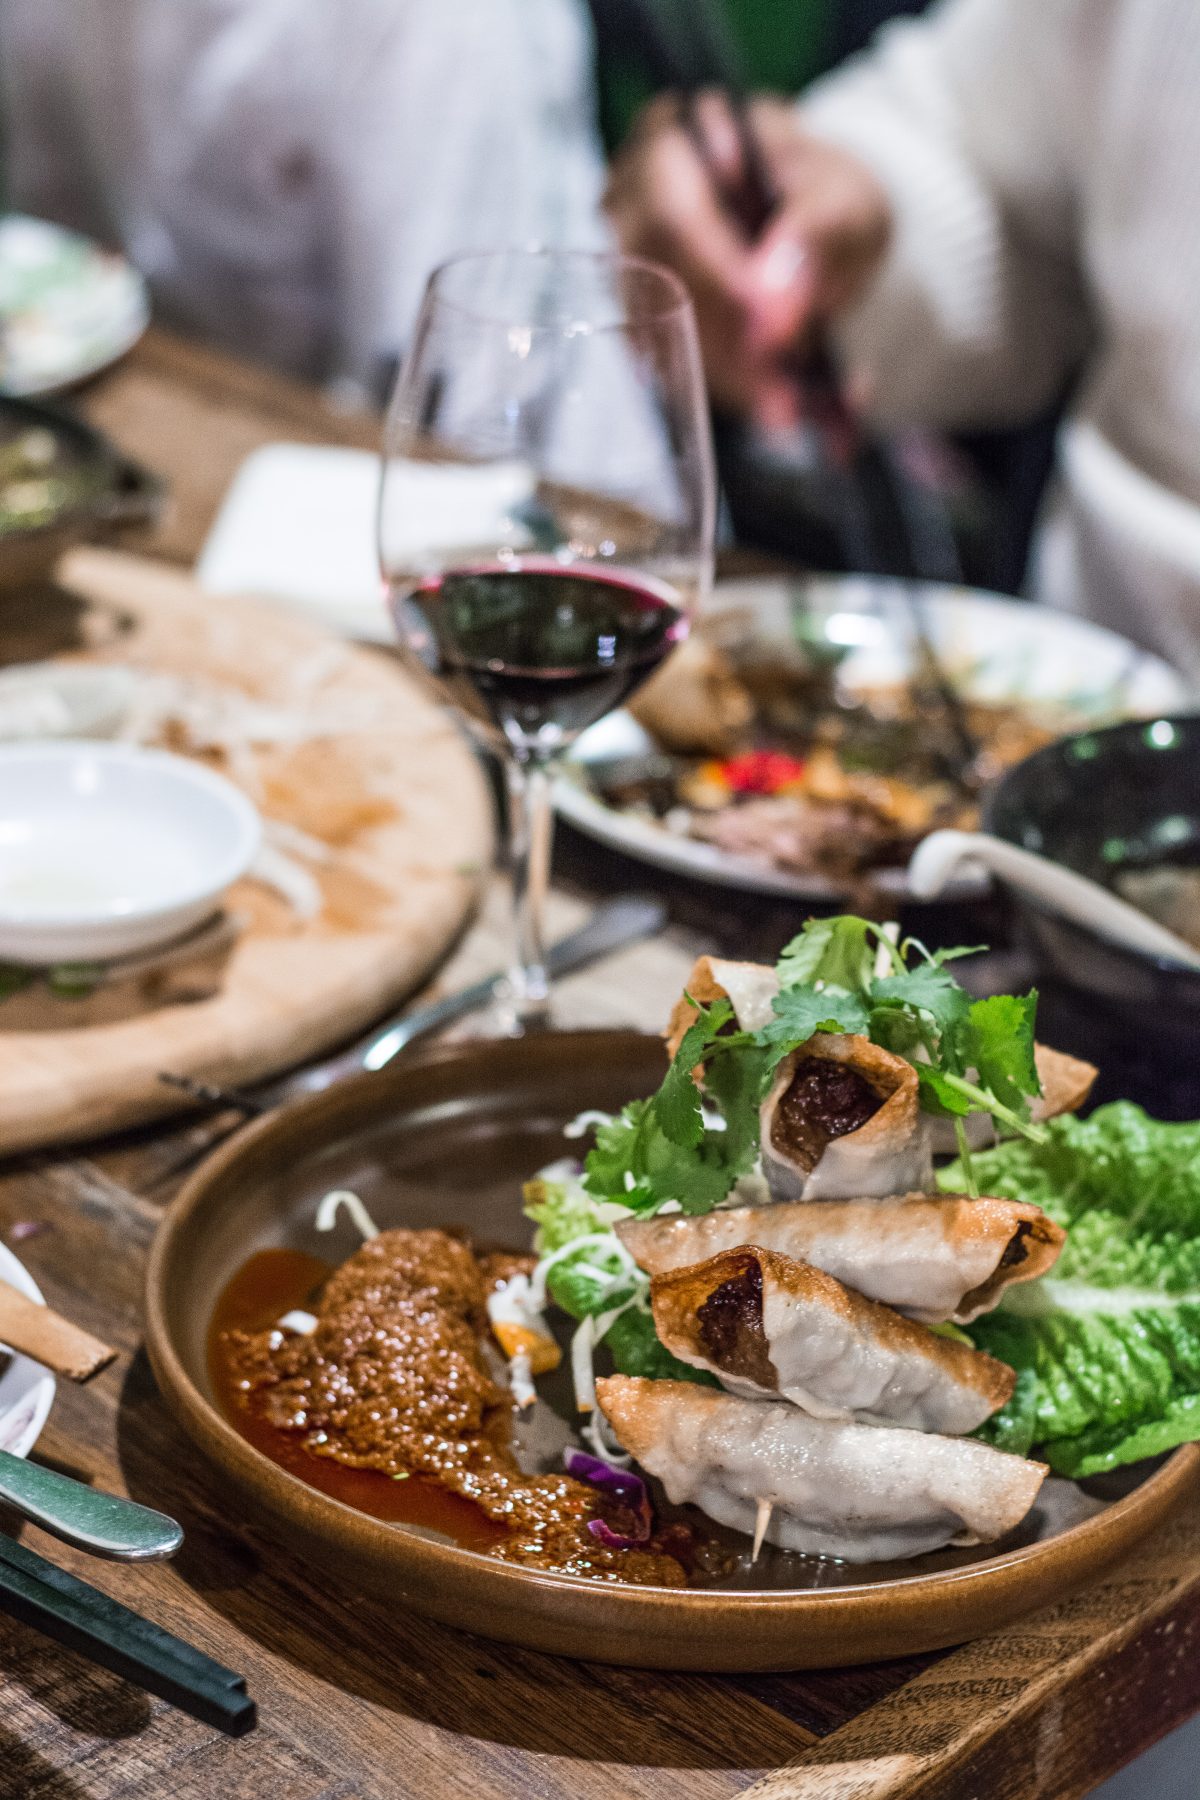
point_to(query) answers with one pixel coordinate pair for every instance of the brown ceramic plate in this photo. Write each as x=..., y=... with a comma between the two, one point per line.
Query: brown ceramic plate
x=446, y=1137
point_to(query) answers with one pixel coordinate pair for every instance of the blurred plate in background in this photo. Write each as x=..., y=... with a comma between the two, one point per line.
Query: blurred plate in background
x=997, y=651
x=67, y=307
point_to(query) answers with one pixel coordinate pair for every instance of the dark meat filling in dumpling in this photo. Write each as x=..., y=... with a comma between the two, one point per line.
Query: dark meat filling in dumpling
x=730, y=1324
x=825, y=1100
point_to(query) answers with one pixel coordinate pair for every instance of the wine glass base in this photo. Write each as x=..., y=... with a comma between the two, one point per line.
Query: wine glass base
x=506, y=1015
x=518, y=1009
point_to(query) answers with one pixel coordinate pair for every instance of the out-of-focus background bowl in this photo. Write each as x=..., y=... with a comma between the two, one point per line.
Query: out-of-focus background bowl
x=85, y=490
x=1110, y=803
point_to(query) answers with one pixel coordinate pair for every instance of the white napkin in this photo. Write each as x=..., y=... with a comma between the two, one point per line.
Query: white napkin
x=298, y=526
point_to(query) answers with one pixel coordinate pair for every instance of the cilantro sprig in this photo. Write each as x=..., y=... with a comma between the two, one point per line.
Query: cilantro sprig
x=691, y=1146
x=664, y=1148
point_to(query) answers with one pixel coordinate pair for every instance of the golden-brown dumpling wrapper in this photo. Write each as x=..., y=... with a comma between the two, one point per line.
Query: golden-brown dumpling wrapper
x=768, y=1326
x=935, y=1257
x=889, y=1153
x=835, y=1488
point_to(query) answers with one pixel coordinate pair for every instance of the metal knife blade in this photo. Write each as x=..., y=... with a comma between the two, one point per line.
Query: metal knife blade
x=613, y=925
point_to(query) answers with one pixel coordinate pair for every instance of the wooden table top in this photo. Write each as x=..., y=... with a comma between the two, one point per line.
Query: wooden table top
x=360, y=1702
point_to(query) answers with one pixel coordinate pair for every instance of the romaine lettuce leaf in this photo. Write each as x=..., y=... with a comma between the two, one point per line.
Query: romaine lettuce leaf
x=1100, y=1450
x=1107, y=1345
x=634, y=1346
x=562, y=1211
x=590, y=1282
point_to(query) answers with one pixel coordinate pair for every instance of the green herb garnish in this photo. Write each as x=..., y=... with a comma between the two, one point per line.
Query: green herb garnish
x=842, y=975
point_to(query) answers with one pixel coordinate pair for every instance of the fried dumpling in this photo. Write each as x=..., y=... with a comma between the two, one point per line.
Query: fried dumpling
x=770, y=1327
x=861, y=1492
x=843, y=1119
x=933, y=1256
x=749, y=987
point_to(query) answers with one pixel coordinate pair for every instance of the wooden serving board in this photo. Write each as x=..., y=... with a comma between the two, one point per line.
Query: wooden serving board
x=387, y=791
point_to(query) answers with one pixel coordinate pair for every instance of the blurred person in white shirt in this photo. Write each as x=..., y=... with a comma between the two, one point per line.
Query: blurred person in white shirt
x=993, y=203
x=286, y=173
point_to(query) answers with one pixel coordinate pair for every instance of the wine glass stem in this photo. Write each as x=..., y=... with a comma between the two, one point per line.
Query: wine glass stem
x=531, y=828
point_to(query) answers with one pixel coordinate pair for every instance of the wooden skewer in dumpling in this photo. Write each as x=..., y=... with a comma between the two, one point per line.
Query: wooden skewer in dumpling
x=860, y=1492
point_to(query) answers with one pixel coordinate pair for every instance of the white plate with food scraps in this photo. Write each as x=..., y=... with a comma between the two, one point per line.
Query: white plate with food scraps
x=1016, y=662
x=41, y=700
x=26, y=1388
x=107, y=849
x=68, y=308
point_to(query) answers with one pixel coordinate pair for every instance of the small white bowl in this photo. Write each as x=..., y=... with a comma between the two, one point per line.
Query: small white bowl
x=108, y=849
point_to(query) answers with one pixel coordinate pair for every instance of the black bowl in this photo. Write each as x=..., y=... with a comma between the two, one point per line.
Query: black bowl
x=1103, y=802
x=109, y=493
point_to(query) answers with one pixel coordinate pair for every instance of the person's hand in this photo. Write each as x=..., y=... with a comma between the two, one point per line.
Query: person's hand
x=755, y=297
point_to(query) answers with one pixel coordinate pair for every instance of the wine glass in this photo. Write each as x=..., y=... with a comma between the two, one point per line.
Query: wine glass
x=545, y=514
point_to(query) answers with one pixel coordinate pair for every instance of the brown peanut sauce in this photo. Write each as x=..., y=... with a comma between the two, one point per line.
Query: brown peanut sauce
x=269, y=1284
x=389, y=1405
x=825, y=1100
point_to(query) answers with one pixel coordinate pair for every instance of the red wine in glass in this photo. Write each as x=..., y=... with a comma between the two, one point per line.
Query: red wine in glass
x=540, y=650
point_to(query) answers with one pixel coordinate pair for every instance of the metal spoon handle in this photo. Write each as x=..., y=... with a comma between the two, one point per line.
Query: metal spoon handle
x=104, y=1524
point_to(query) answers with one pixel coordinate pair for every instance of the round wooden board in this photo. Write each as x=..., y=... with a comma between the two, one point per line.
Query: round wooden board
x=390, y=788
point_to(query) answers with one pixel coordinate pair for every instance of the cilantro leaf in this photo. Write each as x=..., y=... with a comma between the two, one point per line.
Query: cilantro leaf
x=698, y=1178
x=897, y=1029
x=931, y=990
x=736, y=1082
x=677, y=1103
x=998, y=1043
x=800, y=1012
x=938, y=1096
x=660, y=1149
x=614, y=1151
x=839, y=952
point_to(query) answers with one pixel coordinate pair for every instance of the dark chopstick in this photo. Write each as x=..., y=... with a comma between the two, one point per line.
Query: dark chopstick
x=870, y=486
x=80, y=1617
x=687, y=48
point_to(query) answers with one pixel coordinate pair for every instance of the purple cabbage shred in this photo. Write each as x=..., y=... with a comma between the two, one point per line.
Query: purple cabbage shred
x=621, y=1485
